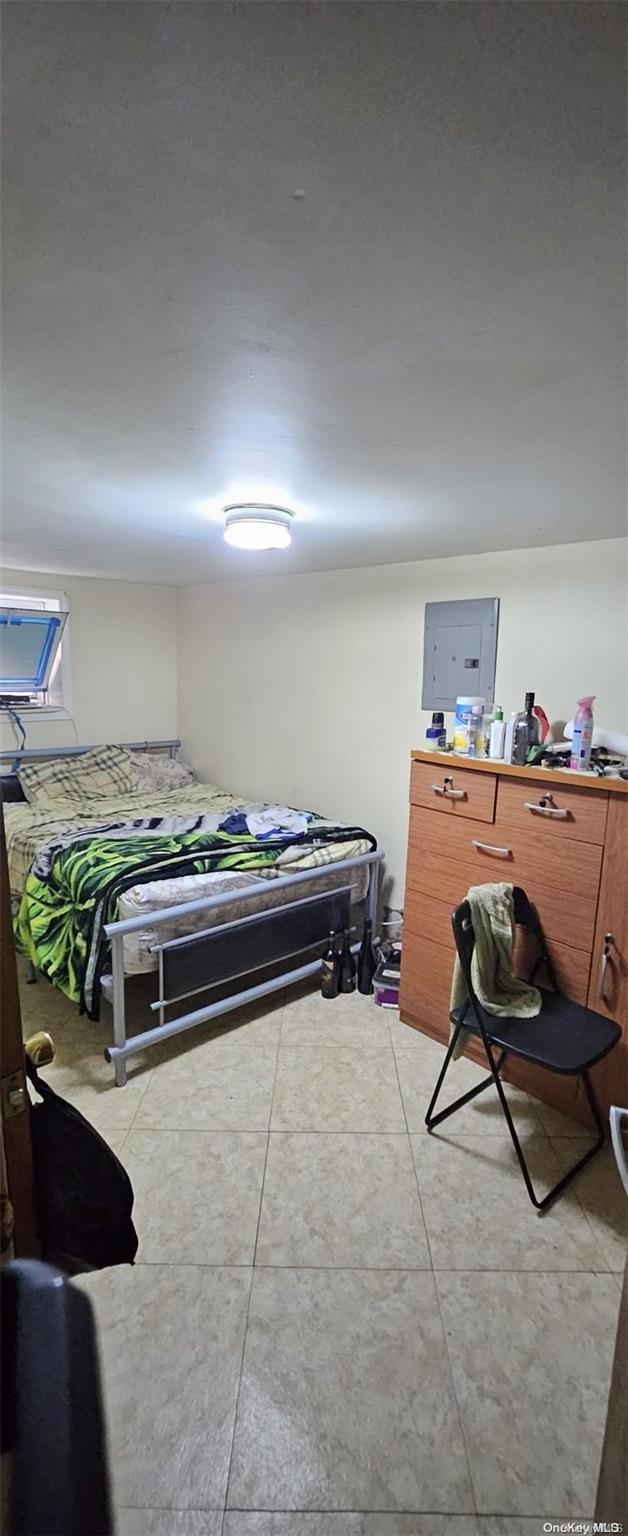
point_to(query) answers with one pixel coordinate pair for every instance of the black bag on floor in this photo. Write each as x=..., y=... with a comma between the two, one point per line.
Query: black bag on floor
x=84, y=1196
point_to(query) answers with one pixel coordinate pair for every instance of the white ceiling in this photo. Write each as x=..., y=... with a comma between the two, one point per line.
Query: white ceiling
x=365, y=259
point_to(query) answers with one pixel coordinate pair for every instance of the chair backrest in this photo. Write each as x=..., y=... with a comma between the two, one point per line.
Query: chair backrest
x=525, y=916
x=464, y=939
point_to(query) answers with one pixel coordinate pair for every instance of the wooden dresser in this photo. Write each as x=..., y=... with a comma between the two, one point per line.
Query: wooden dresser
x=564, y=838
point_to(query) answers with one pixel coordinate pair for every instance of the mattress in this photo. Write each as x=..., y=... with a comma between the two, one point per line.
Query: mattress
x=153, y=895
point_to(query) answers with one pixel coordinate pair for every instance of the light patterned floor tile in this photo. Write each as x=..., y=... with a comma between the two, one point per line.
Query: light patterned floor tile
x=76, y=1037
x=116, y=1140
x=345, y=1395
x=240, y=1523
x=341, y=1201
x=479, y=1216
x=345, y=1398
x=171, y=1342
x=514, y=1525
x=418, y=1075
x=168, y=1522
x=79, y=1071
x=342, y=1088
x=599, y=1190
x=225, y=1088
x=556, y=1124
x=531, y=1357
x=197, y=1194
x=349, y=1019
x=258, y=1024
x=404, y=1037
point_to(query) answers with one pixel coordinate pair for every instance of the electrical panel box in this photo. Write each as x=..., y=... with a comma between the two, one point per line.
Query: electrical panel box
x=460, y=651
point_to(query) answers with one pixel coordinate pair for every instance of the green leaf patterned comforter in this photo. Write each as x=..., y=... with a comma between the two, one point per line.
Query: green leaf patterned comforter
x=81, y=867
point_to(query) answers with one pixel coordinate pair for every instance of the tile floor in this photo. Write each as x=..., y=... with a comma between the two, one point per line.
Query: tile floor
x=338, y=1325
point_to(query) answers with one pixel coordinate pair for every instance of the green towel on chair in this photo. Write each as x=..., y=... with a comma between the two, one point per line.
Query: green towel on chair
x=496, y=987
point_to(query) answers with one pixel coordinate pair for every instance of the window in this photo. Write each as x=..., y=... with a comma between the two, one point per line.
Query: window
x=34, y=650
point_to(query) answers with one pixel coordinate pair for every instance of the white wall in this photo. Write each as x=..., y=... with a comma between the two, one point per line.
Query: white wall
x=307, y=688
x=123, y=652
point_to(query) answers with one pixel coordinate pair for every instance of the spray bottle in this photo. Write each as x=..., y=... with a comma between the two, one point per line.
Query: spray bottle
x=582, y=734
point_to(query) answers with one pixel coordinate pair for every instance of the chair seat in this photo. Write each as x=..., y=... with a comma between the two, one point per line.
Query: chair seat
x=564, y=1037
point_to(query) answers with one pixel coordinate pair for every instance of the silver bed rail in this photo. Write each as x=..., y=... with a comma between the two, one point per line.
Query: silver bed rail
x=113, y=986
x=30, y=754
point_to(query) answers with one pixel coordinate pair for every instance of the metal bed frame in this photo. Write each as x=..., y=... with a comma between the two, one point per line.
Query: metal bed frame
x=215, y=956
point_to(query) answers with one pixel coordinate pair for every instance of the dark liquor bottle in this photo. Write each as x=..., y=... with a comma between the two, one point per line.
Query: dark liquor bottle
x=330, y=969
x=366, y=960
x=347, y=966
x=526, y=732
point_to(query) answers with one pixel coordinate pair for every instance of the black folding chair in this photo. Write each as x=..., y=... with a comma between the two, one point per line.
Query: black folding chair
x=564, y=1038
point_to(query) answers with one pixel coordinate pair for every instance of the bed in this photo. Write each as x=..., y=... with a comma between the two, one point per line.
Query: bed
x=120, y=862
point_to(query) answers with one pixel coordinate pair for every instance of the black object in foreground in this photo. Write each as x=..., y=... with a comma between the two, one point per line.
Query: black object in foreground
x=53, y=1433
x=84, y=1196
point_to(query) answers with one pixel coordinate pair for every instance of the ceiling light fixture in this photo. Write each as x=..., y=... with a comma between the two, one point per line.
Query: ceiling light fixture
x=251, y=525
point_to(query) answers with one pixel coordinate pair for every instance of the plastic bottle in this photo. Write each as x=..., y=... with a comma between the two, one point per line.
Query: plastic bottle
x=510, y=735
x=582, y=733
x=543, y=721
x=498, y=732
x=436, y=735
x=475, y=747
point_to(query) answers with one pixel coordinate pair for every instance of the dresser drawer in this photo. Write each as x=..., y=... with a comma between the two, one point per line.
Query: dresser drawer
x=561, y=878
x=425, y=987
x=453, y=791
x=538, y=805
x=572, y=966
x=427, y=920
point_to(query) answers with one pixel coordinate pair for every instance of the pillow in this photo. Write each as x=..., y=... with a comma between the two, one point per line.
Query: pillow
x=155, y=771
x=95, y=775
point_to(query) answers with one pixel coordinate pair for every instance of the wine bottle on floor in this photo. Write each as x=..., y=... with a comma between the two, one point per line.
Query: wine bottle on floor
x=366, y=960
x=347, y=966
x=330, y=969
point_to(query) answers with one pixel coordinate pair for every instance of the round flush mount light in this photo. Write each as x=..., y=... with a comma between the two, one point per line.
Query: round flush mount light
x=252, y=525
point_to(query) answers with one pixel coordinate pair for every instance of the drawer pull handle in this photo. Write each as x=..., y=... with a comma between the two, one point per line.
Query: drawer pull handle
x=449, y=791
x=500, y=853
x=608, y=940
x=547, y=810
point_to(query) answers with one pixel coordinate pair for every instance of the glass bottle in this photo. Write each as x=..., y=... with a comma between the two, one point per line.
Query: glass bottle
x=330, y=968
x=526, y=733
x=366, y=960
x=347, y=966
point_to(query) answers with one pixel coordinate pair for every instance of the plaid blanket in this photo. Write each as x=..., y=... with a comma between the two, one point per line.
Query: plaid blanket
x=103, y=771
x=74, y=885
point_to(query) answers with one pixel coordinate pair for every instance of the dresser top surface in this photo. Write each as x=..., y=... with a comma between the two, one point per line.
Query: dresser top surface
x=510, y=770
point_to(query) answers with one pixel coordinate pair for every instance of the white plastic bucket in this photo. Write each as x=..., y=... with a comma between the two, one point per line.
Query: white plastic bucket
x=464, y=705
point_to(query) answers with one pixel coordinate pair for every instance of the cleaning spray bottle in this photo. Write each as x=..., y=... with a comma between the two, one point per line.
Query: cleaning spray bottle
x=582, y=734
